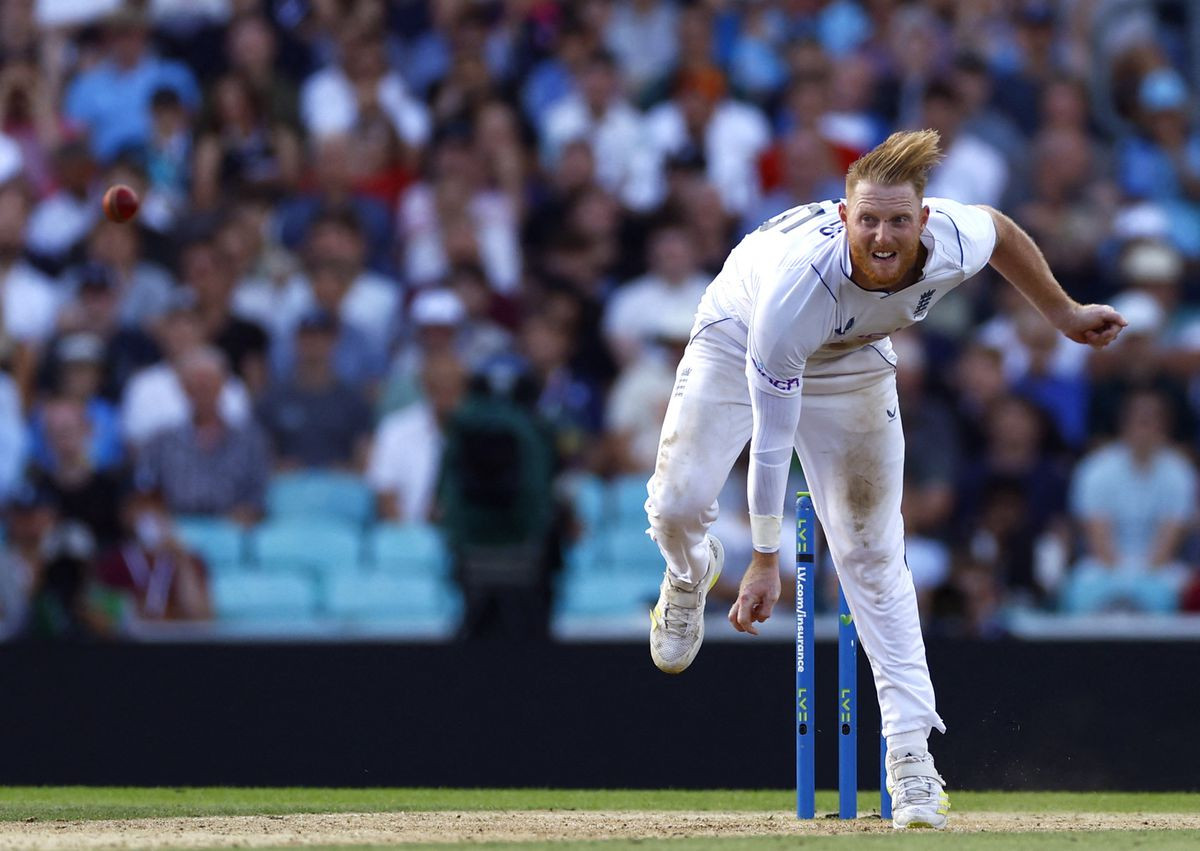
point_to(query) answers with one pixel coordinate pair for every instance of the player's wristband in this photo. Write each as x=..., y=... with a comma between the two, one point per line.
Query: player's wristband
x=764, y=532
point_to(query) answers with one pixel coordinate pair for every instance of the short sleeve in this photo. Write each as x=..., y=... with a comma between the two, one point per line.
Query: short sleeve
x=792, y=317
x=971, y=235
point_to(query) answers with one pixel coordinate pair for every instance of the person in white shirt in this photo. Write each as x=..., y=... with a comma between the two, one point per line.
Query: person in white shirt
x=790, y=350
x=674, y=283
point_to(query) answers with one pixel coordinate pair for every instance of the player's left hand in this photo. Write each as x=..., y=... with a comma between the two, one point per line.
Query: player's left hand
x=1094, y=325
x=758, y=593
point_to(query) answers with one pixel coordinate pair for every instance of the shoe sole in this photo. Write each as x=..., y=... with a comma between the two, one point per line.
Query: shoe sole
x=683, y=664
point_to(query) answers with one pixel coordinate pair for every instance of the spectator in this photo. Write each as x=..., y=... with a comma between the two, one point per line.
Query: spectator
x=162, y=578
x=112, y=98
x=80, y=367
x=406, y=452
x=95, y=311
x=14, y=443
x=598, y=113
x=333, y=191
x=1138, y=363
x=208, y=465
x=643, y=36
x=314, y=418
x=207, y=272
x=673, y=286
x=333, y=100
x=1131, y=545
x=30, y=127
x=804, y=163
x=728, y=136
x=1161, y=161
x=569, y=403
x=43, y=571
x=1021, y=451
x=154, y=399
x=252, y=50
x=358, y=359
x=639, y=397
x=437, y=316
x=973, y=170
x=454, y=217
x=168, y=157
x=241, y=148
x=83, y=492
x=30, y=300
x=140, y=287
x=60, y=221
x=372, y=302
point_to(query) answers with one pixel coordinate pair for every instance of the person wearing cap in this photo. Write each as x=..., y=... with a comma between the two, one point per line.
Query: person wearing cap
x=112, y=98
x=1160, y=162
x=314, y=418
x=437, y=316
x=358, y=360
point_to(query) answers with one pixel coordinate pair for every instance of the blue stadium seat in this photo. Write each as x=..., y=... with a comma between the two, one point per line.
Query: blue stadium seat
x=216, y=539
x=627, y=495
x=412, y=549
x=589, y=497
x=321, y=546
x=608, y=594
x=263, y=597
x=320, y=494
x=628, y=549
x=383, y=597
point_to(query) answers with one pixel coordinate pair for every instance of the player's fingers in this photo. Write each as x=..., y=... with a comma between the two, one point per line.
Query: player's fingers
x=746, y=607
x=764, y=610
x=733, y=616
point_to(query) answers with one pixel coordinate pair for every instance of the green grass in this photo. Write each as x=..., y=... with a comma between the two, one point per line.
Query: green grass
x=1154, y=840
x=79, y=802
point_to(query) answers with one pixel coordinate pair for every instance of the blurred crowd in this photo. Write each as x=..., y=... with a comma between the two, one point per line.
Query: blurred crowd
x=350, y=207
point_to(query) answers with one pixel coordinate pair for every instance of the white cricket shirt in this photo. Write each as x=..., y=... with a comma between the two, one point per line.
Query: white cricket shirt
x=788, y=284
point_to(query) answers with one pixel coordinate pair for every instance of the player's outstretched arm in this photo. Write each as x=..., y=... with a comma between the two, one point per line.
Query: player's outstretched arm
x=1018, y=259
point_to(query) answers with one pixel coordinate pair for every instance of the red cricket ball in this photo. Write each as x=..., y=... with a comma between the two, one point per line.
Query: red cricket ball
x=120, y=203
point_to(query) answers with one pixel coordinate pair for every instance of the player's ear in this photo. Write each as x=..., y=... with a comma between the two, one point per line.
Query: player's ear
x=924, y=217
x=843, y=214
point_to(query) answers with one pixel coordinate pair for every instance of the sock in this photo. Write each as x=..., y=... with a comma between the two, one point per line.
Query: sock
x=915, y=742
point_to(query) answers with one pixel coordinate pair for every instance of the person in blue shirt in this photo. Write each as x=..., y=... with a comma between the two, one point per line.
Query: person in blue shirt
x=112, y=98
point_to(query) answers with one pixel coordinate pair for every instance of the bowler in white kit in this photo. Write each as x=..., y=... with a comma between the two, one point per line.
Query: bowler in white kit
x=790, y=349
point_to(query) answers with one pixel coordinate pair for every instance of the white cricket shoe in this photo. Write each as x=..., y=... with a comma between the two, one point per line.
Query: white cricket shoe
x=677, y=620
x=918, y=792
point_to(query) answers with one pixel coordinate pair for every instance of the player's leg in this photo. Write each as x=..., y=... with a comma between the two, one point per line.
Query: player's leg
x=852, y=448
x=707, y=424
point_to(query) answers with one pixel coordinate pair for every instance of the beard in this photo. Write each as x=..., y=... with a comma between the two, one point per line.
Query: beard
x=866, y=267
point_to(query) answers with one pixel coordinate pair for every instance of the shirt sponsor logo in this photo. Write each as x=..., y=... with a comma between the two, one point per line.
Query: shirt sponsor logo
x=777, y=383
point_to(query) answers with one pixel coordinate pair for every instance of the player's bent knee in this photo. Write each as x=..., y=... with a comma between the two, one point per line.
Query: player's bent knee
x=876, y=571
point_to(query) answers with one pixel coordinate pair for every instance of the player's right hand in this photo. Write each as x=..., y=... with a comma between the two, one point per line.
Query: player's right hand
x=757, y=594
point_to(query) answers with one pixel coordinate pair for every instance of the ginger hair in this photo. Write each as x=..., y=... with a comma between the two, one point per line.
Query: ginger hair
x=904, y=157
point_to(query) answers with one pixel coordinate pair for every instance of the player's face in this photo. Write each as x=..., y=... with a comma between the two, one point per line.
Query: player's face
x=883, y=227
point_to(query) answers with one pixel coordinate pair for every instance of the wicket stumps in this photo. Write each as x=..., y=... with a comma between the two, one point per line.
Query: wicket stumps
x=806, y=562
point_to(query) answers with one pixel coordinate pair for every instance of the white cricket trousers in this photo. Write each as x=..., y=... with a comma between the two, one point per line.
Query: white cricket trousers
x=851, y=446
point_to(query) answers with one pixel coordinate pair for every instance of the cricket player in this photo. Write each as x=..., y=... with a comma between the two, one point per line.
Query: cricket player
x=790, y=349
